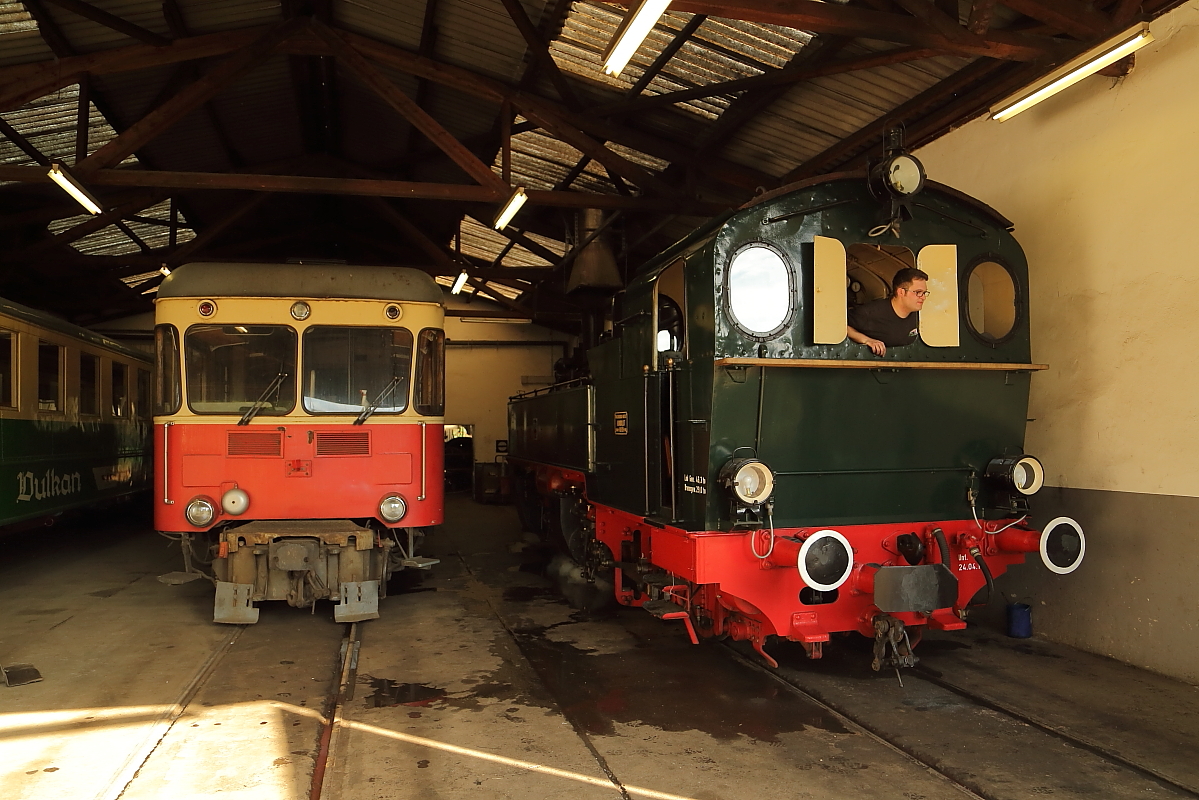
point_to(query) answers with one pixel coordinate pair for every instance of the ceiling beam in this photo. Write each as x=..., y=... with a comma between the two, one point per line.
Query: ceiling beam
x=960, y=81
x=187, y=100
x=1072, y=16
x=14, y=136
x=381, y=85
x=22, y=83
x=841, y=20
x=211, y=232
x=541, y=53
x=774, y=77
x=88, y=226
x=111, y=21
x=367, y=188
x=981, y=12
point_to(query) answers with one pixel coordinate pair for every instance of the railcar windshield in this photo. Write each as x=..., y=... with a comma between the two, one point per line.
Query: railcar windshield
x=230, y=368
x=348, y=370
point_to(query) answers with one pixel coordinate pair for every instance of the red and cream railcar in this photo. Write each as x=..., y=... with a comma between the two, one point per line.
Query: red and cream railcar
x=298, y=429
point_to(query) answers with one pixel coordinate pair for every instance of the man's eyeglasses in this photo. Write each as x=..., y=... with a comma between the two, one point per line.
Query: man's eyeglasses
x=918, y=292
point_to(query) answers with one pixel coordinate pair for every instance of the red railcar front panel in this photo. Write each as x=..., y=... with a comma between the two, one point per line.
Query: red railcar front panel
x=299, y=471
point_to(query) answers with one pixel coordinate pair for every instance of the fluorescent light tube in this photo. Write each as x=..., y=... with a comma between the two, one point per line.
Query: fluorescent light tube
x=59, y=174
x=1074, y=71
x=459, y=282
x=508, y=320
x=631, y=33
x=510, y=208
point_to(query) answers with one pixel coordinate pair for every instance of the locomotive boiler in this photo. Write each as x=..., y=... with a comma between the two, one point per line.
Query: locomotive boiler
x=731, y=460
x=298, y=429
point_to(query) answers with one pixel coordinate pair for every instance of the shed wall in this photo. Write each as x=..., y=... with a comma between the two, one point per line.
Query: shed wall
x=1099, y=181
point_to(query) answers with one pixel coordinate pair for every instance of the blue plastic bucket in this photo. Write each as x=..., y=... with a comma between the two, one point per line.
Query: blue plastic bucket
x=1019, y=620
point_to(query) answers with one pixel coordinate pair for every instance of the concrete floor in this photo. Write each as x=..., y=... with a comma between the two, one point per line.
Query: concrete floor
x=480, y=681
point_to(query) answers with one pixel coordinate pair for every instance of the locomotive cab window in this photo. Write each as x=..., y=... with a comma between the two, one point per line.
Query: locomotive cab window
x=8, y=347
x=847, y=278
x=430, y=372
x=759, y=291
x=89, y=385
x=120, y=390
x=168, y=396
x=991, y=301
x=49, y=377
x=670, y=337
x=349, y=370
x=233, y=368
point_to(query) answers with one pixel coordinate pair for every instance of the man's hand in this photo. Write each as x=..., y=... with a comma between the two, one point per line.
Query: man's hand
x=876, y=347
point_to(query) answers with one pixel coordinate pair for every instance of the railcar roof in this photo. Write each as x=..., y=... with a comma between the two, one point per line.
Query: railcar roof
x=50, y=322
x=301, y=280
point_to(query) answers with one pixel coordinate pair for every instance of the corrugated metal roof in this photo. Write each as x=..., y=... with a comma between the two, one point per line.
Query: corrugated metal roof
x=719, y=50
x=814, y=115
x=87, y=36
x=111, y=241
x=49, y=122
x=482, y=242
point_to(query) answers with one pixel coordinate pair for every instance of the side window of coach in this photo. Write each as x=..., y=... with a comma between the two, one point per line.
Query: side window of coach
x=8, y=361
x=142, y=405
x=49, y=376
x=119, y=390
x=89, y=384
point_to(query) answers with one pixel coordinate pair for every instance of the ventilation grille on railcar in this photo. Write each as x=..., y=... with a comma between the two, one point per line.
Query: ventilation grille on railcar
x=255, y=443
x=343, y=443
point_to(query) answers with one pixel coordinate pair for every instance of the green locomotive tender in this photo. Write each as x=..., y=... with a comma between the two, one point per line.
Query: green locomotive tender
x=735, y=462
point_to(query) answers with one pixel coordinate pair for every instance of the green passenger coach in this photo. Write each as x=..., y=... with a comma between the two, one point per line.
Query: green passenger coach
x=74, y=417
x=732, y=460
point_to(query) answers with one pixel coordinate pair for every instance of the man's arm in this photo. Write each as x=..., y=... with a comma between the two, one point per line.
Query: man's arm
x=876, y=347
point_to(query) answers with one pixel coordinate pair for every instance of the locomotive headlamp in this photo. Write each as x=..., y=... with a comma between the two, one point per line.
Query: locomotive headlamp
x=235, y=501
x=900, y=175
x=1063, y=546
x=825, y=560
x=200, y=511
x=750, y=480
x=393, y=508
x=300, y=310
x=393, y=312
x=1023, y=474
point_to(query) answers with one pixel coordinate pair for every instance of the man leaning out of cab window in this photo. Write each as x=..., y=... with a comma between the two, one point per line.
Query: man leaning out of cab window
x=891, y=321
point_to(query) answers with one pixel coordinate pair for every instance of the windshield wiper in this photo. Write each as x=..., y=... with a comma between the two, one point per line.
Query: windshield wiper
x=366, y=412
x=258, y=405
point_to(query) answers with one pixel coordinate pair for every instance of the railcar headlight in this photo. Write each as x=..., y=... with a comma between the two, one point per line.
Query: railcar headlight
x=750, y=480
x=825, y=560
x=235, y=501
x=300, y=310
x=1024, y=474
x=393, y=508
x=200, y=511
x=1063, y=546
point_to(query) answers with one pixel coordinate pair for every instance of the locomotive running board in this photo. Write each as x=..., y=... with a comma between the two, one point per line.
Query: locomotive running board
x=233, y=605
x=359, y=601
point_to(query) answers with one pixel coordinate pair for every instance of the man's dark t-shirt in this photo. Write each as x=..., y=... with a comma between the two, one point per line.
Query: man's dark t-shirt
x=878, y=320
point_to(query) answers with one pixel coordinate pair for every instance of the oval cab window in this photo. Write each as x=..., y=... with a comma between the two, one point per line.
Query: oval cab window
x=759, y=290
x=991, y=301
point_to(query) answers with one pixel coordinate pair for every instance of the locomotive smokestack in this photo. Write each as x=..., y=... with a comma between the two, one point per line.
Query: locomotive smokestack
x=595, y=266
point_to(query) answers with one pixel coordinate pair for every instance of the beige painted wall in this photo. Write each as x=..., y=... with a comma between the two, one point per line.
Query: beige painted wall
x=1102, y=183
x=480, y=379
